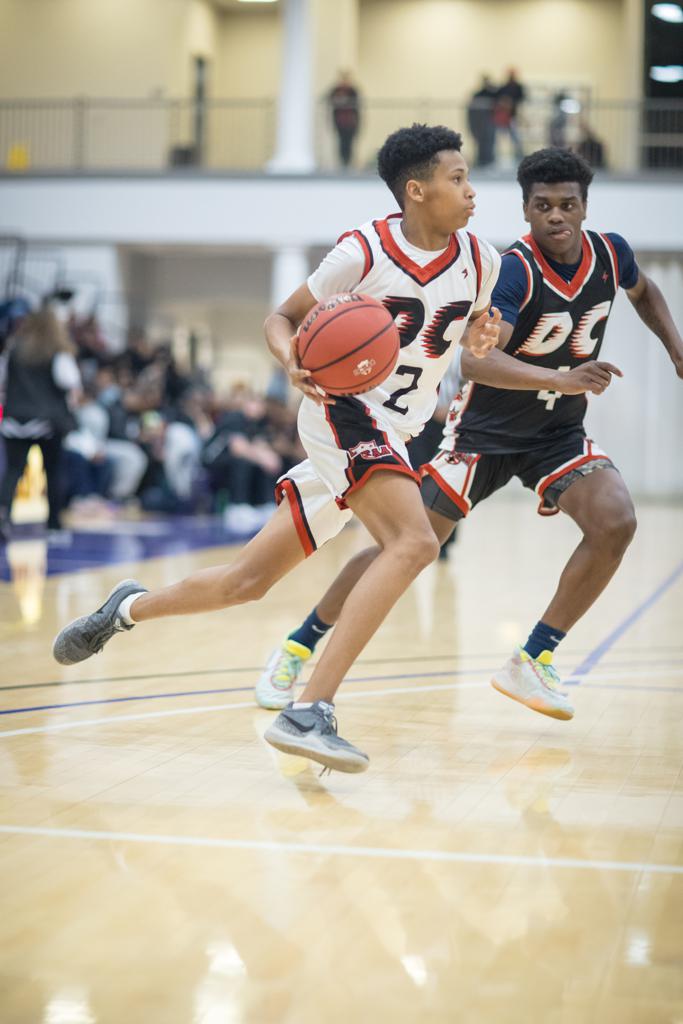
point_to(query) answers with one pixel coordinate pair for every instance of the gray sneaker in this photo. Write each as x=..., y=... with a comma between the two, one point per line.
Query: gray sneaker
x=312, y=732
x=87, y=636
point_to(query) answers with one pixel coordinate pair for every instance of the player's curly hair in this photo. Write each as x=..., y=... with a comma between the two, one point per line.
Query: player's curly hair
x=550, y=166
x=411, y=153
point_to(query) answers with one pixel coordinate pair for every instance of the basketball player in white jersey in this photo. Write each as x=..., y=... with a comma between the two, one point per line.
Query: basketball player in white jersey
x=437, y=279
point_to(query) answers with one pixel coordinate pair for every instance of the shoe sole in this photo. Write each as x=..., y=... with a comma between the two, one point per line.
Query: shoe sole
x=275, y=703
x=328, y=760
x=84, y=618
x=560, y=714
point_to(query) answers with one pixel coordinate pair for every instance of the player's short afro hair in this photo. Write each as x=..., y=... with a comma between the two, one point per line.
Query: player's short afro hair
x=411, y=153
x=550, y=166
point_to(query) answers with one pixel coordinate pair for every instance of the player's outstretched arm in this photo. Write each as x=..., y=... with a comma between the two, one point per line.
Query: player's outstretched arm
x=651, y=307
x=280, y=329
x=499, y=370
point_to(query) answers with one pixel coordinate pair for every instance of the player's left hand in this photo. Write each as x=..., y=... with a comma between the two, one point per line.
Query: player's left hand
x=482, y=334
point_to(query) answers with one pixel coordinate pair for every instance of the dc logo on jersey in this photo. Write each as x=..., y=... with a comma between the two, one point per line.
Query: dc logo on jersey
x=553, y=329
x=369, y=450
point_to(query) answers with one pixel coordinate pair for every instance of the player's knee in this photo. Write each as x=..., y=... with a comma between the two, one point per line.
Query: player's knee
x=613, y=532
x=624, y=528
x=417, y=550
x=249, y=586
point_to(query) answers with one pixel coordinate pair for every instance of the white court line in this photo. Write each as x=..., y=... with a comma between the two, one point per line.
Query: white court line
x=241, y=705
x=337, y=850
x=113, y=719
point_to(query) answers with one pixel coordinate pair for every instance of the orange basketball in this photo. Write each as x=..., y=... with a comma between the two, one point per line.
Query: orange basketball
x=348, y=343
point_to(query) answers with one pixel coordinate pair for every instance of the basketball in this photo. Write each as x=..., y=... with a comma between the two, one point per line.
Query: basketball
x=348, y=343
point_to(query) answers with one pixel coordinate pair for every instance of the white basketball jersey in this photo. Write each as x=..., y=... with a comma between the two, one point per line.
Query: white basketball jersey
x=431, y=296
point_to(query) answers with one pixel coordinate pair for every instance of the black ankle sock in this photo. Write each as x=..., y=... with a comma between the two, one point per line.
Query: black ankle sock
x=543, y=638
x=310, y=631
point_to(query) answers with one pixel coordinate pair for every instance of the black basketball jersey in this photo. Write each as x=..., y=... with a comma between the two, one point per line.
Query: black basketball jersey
x=560, y=325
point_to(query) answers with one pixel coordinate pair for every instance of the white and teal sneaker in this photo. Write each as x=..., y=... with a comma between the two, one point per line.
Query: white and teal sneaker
x=535, y=683
x=275, y=688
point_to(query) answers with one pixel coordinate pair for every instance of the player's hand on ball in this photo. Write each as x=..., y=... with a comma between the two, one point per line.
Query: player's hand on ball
x=302, y=379
x=482, y=334
x=593, y=376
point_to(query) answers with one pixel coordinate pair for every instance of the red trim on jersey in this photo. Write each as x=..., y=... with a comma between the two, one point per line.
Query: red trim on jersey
x=400, y=468
x=529, y=278
x=423, y=275
x=476, y=256
x=615, y=261
x=365, y=246
x=457, y=499
x=287, y=488
x=567, y=288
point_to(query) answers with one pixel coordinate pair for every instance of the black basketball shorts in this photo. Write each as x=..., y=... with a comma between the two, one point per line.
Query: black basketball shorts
x=454, y=482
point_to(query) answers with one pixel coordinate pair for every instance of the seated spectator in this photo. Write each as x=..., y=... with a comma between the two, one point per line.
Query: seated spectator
x=241, y=462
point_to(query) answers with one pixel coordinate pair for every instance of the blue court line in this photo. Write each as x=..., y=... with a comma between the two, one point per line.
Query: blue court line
x=592, y=659
x=232, y=689
x=360, y=679
x=98, y=680
x=586, y=666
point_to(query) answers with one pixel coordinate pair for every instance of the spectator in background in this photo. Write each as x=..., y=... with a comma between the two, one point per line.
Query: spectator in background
x=344, y=103
x=241, y=461
x=480, y=121
x=559, y=122
x=591, y=148
x=508, y=100
x=40, y=372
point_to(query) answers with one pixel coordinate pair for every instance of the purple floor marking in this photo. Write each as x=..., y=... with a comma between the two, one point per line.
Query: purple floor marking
x=122, y=541
x=592, y=659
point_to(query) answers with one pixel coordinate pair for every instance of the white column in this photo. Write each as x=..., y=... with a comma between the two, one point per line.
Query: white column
x=294, y=152
x=290, y=269
x=634, y=54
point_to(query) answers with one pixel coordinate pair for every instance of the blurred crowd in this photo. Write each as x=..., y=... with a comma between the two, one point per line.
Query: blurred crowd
x=494, y=115
x=134, y=428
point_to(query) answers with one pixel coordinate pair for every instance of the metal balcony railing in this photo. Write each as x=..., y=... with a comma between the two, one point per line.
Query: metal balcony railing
x=158, y=135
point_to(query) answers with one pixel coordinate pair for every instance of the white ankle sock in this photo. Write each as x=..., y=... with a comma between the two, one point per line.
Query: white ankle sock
x=125, y=606
x=301, y=705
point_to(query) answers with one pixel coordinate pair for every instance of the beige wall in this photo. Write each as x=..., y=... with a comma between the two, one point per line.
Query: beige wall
x=406, y=48
x=403, y=51
x=248, y=59
x=441, y=47
x=62, y=48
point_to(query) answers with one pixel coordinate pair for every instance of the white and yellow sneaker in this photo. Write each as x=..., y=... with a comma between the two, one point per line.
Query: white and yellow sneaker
x=275, y=688
x=535, y=683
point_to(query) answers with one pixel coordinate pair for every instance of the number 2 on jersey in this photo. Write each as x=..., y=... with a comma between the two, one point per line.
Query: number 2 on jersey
x=403, y=371
x=409, y=314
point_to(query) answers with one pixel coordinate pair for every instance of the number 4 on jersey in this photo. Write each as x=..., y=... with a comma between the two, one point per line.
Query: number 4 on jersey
x=550, y=397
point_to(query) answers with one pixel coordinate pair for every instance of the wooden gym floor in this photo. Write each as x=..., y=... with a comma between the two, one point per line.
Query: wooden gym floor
x=161, y=864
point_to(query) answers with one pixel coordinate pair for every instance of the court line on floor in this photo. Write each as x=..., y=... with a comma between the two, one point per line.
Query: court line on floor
x=340, y=850
x=596, y=655
x=385, y=691
x=257, y=669
x=359, y=679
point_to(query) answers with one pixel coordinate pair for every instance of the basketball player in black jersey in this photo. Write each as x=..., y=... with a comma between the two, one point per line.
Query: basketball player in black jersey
x=524, y=418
